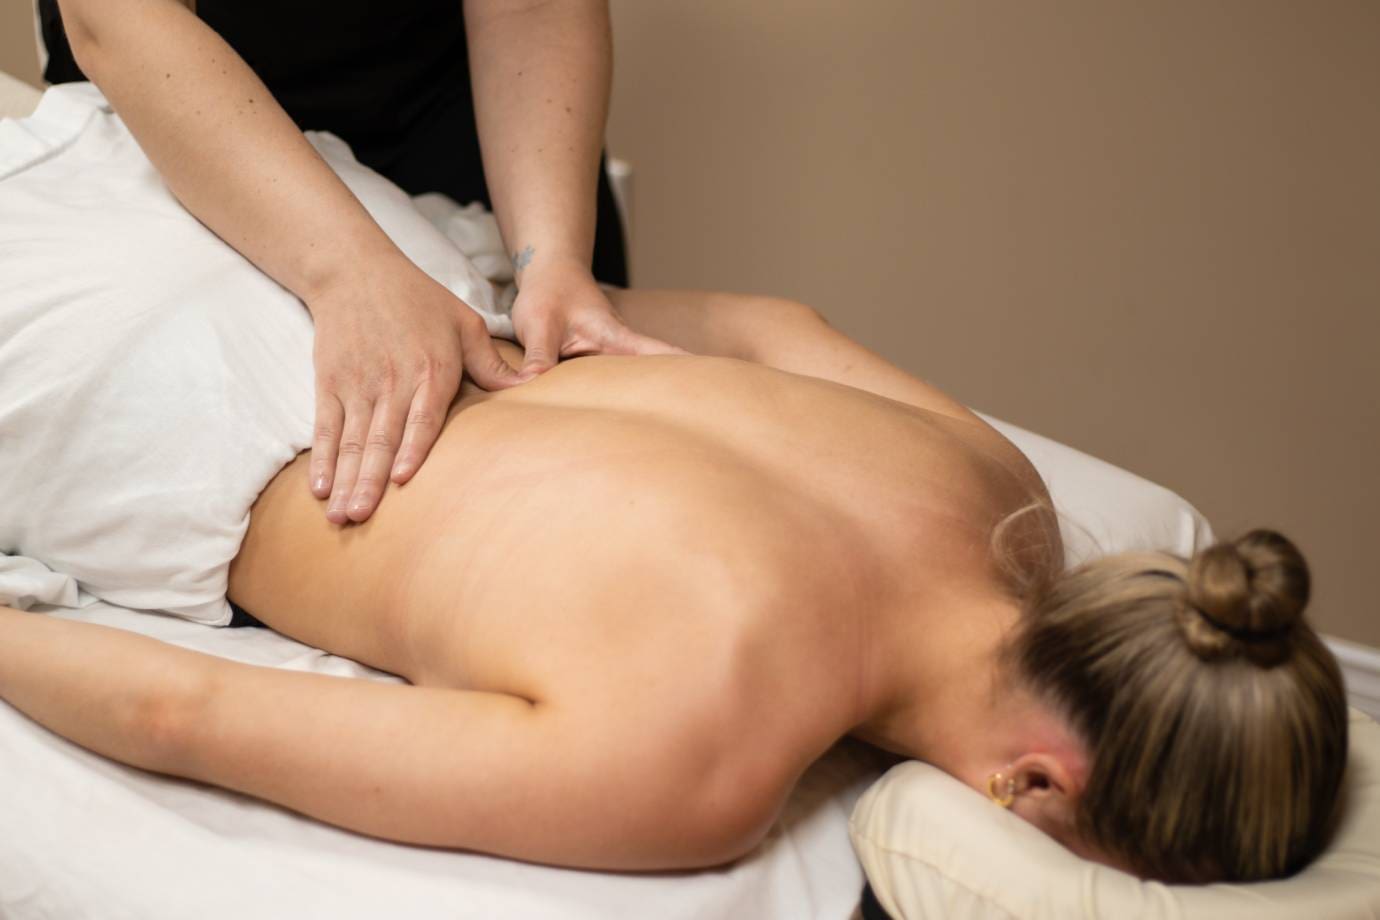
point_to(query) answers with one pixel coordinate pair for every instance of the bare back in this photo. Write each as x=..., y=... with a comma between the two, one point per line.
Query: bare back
x=645, y=533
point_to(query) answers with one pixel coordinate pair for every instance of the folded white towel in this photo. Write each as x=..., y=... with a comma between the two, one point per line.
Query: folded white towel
x=152, y=381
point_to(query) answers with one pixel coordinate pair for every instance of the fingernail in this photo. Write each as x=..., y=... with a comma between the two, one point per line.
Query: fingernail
x=319, y=483
x=402, y=469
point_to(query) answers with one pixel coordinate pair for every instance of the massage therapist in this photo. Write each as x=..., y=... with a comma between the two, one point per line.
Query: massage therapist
x=217, y=93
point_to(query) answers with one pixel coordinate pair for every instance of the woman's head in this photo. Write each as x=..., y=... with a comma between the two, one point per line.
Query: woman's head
x=1213, y=716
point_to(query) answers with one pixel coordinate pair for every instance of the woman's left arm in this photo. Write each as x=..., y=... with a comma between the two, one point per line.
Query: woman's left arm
x=555, y=781
x=541, y=73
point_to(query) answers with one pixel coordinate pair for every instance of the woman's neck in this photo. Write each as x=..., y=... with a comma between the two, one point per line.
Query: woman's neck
x=940, y=691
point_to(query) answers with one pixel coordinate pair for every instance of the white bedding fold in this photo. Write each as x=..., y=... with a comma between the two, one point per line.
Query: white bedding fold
x=154, y=380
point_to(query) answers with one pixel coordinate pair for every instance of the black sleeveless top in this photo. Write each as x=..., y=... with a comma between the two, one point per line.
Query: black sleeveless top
x=391, y=79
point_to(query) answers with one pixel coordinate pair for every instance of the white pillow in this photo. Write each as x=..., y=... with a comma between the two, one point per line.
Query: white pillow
x=1104, y=509
x=113, y=296
x=932, y=847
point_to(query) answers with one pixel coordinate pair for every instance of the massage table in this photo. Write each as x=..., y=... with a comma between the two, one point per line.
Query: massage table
x=82, y=836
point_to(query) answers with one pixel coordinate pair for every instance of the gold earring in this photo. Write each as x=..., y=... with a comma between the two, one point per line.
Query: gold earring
x=1003, y=800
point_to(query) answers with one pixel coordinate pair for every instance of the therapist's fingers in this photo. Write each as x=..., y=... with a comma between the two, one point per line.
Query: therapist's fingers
x=424, y=420
x=385, y=434
x=605, y=334
x=353, y=436
x=623, y=341
x=330, y=418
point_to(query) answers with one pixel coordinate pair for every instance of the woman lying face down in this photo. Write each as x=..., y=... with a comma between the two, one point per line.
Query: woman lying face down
x=638, y=596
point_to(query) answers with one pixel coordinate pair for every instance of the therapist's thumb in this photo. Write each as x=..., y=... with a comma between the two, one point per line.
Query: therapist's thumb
x=542, y=348
x=484, y=363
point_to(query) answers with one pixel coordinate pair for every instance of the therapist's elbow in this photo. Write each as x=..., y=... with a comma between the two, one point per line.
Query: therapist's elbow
x=82, y=27
x=88, y=25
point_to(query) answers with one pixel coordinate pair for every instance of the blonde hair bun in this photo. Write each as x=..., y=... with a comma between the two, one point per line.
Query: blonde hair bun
x=1245, y=596
x=1214, y=716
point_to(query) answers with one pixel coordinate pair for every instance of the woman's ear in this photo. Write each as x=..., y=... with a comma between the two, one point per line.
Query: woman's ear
x=1046, y=792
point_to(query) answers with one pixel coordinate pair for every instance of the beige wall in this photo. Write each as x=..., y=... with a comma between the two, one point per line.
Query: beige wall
x=17, y=55
x=1151, y=231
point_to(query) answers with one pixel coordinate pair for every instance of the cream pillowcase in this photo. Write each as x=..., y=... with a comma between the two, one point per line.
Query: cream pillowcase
x=932, y=847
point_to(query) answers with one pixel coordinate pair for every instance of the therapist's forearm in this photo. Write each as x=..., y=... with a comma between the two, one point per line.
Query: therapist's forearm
x=222, y=144
x=541, y=73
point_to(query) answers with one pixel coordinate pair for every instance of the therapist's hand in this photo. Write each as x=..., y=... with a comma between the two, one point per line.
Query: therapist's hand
x=390, y=348
x=560, y=312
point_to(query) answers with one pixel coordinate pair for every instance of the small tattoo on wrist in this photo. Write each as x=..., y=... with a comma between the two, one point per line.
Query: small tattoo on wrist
x=522, y=259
